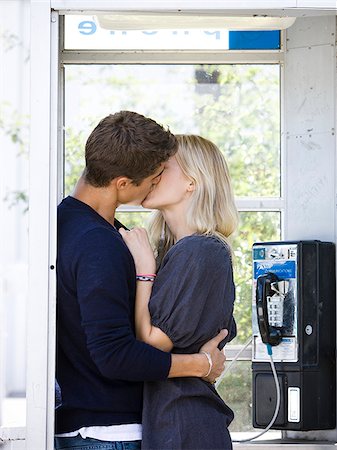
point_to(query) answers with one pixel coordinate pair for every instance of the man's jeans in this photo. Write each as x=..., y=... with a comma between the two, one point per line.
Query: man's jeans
x=79, y=443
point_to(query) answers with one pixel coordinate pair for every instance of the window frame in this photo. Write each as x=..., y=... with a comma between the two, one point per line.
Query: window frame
x=42, y=70
x=275, y=56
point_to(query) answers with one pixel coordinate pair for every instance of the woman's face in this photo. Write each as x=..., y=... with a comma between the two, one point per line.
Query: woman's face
x=174, y=188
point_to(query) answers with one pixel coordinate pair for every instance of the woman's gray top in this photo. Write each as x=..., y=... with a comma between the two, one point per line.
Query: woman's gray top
x=192, y=300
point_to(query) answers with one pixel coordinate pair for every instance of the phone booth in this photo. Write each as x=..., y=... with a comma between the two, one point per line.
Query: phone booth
x=294, y=282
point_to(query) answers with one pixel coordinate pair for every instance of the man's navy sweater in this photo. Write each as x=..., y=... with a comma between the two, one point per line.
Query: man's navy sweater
x=100, y=364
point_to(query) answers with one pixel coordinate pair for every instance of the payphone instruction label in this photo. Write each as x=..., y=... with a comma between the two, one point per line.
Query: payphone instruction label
x=285, y=351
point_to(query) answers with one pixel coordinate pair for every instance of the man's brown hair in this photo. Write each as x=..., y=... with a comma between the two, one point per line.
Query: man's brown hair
x=126, y=144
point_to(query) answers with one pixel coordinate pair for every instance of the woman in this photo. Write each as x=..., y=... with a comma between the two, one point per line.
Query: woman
x=191, y=297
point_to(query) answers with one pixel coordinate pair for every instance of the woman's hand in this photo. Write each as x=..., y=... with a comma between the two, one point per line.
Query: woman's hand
x=138, y=243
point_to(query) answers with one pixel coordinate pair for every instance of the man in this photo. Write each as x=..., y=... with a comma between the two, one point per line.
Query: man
x=100, y=364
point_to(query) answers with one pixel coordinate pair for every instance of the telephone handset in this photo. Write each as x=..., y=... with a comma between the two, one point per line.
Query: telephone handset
x=269, y=308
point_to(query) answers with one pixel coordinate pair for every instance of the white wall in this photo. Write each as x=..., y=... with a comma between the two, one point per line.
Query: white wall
x=310, y=129
x=310, y=138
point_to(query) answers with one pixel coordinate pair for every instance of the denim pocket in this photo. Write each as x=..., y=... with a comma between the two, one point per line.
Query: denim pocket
x=131, y=445
x=78, y=443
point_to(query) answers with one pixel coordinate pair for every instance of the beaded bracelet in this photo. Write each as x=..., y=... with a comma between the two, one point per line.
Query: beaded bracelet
x=146, y=277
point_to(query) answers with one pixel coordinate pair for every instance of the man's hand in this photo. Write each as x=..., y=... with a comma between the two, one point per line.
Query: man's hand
x=218, y=357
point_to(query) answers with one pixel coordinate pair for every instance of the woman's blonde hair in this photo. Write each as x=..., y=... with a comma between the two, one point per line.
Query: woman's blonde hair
x=212, y=209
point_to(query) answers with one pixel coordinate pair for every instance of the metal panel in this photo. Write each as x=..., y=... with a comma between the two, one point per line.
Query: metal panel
x=260, y=204
x=42, y=227
x=312, y=31
x=120, y=5
x=309, y=95
x=276, y=12
x=171, y=56
x=55, y=188
x=311, y=165
x=249, y=204
x=309, y=187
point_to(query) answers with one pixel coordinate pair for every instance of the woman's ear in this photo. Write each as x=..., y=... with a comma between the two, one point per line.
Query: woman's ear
x=191, y=186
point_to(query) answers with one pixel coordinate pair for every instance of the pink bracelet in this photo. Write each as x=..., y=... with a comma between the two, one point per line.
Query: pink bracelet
x=145, y=278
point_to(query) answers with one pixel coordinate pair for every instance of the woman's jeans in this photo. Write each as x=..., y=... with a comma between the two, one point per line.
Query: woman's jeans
x=79, y=443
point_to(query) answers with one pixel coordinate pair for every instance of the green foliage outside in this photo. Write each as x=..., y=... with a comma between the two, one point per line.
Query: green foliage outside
x=240, y=113
x=236, y=390
x=254, y=226
x=14, y=127
x=74, y=160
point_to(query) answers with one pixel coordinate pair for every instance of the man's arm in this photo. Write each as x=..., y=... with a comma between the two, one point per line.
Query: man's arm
x=197, y=365
x=102, y=293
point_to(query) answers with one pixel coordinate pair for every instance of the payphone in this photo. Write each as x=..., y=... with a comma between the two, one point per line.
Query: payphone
x=294, y=314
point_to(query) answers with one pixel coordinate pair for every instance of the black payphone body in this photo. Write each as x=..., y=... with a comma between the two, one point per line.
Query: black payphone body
x=294, y=298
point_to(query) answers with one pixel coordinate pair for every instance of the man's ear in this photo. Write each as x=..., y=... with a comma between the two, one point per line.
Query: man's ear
x=122, y=183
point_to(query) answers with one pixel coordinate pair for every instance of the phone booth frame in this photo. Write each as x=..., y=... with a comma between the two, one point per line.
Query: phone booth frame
x=46, y=168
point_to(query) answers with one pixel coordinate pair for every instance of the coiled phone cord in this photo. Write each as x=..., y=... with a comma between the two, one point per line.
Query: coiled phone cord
x=277, y=385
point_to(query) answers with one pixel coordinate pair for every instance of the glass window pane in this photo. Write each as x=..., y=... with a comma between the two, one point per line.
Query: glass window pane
x=13, y=270
x=236, y=386
x=236, y=106
x=253, y=227
x=14, y=203
x=236, y=391
x=133, y=219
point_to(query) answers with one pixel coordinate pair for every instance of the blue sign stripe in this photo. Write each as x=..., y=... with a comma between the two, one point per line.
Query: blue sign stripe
x=285, y=269
x=254, y=40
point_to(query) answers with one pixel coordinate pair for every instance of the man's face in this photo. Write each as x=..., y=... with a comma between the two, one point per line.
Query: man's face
x=136, y=194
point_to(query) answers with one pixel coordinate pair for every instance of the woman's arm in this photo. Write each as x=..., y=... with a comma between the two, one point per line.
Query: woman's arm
x=145, y=331
x=140, y=248
x=183, y=365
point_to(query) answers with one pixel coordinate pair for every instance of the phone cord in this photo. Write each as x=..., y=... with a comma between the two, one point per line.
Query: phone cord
x=278, y=398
